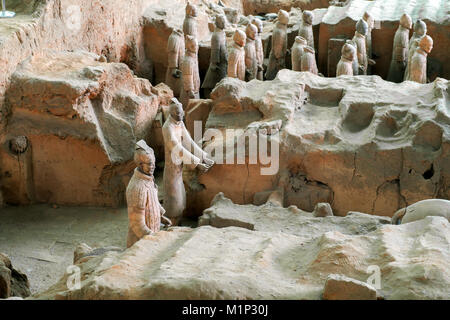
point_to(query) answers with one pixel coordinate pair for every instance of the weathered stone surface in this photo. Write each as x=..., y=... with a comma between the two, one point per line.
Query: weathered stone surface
x=266, y=6
x=13, y=283
x=339, y=287
x=422, y=209
x=79, y=116
x=278, y=262
x=358, y=143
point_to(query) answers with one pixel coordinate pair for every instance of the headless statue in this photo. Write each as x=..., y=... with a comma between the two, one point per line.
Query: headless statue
x=190, y=21
x=277, y=55
x=218, y=62
x=308, y=62
x=251, y=63
x=297, y=52
x=177, y=150
x=305, y=29
x=144, y=210
x=345, y=65
x=191, y=77
x=400, y=50
x=367, y=17
x=236, y=61
x=175, y=49
x=360, y=40
x=259, y=48
x=420, y=30
x=418, y=69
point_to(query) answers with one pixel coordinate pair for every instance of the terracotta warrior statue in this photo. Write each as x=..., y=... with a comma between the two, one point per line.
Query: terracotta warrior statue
x=259, y=48
x=308, y=62
x=355, y=64
x=418, y=68
x=297, y=52
x=144, y=210
x=236, y=60
x=400, y=50
x=277, y=55
x=190, y=21
x=189, y=69
x=420, y=29
x=218, y=62
x=175, y=50
x=345, y=65
x=251, y=62
x=305, y=29
x=177, y=150
x=360, y=40
x=368, y=18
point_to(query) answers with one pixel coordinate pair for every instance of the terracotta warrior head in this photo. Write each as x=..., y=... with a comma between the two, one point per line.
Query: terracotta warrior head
x=283, y=17
x=362, y=27
x=420, y=28
x=301, y=40
x=251, y=31
x=239, y=38
x=308, y=17
x=191, y=10
x=191, y=44
x=426, y=44
x=406, y=21
x=348, y=51
x=144, y=158
x=258, y=23
x=369, y=19
x=220, y=21
x=176, y=110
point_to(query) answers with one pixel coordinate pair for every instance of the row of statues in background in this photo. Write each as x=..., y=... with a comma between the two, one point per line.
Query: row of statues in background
x=409, y=56
x=145, y=213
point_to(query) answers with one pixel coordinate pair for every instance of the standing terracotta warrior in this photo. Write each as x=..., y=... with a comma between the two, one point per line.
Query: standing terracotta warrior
x=144, y=210
x=277, y=55
x=400, y=50
x=297, y=52
x=190, y=21
x=177, y=150
x=355, y=64
x=189, y=69
x=420, y=29
x=218, y=62
x=367, y=17
x=308, y=62
x=175, y=49
x=360, y=40
x=236, y=60
x=259, y=48
x=418, y=69
x=345, y=65
x=305, y=29
x=251, y=63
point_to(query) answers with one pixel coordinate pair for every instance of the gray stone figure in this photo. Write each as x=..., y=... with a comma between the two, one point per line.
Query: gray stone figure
x=177, y=150
x=345, y=65
x=190, y=73
x=175, y=50
x=308, y=62
x=190, y=21
x=360, y=40
x=259, y=48
x=418, y=69
x=218, y=62
x=251, y=62
x=305, y=29
x=236, y=60
x=420, y=29
x=368, y=18
x=400, y=50
x=144, y=210
x=297, y=52
x=277, y=57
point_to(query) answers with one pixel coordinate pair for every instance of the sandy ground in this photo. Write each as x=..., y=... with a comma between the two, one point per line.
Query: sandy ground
x=41, y=239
